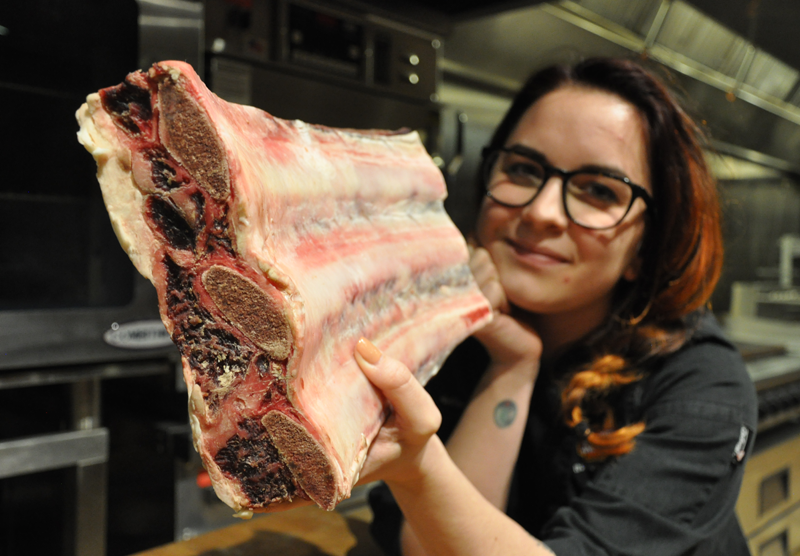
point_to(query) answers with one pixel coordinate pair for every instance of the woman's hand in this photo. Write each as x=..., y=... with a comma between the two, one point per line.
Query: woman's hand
x=508, y=338
x=445, y=512
x=396, y=453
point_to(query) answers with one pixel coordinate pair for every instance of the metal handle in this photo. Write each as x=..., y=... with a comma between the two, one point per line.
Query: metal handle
x=53, y=451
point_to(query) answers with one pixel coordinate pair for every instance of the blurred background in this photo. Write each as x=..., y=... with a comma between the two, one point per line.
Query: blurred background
x=94, y=443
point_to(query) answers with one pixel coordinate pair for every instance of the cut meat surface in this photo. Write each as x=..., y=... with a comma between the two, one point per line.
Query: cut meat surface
x=274, y=246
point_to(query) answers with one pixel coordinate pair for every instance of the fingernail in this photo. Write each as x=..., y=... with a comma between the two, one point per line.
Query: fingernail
x=368, y=351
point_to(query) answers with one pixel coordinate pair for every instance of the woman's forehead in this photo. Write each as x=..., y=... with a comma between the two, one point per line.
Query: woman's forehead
x=578, y=126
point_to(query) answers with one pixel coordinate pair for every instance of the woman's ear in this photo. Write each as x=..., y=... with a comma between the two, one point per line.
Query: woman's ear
x=634, y=268
x=631, y=272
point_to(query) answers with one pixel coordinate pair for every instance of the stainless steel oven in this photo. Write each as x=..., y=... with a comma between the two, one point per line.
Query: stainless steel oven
x=338, y=66
x=70, y=294
x=74, y=313
x=93, y=434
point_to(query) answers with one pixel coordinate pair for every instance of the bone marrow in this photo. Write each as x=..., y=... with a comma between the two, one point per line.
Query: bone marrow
x=190, y=137
x=304, y=456
x=256, y=312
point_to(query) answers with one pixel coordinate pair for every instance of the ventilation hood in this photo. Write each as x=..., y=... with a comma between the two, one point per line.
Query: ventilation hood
x=748, y=95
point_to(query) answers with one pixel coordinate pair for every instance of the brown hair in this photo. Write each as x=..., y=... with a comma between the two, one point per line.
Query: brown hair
x=681, y=250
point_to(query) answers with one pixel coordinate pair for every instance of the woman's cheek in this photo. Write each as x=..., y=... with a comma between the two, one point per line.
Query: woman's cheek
x=491, y=218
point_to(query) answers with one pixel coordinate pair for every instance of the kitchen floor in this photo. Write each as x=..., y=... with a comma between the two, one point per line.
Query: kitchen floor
x=306, y=531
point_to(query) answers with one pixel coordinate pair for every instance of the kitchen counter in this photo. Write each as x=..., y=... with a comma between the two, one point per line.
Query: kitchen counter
x=306, y=531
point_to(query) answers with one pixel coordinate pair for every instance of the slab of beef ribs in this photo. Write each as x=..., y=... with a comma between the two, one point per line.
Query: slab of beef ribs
x=274, y=246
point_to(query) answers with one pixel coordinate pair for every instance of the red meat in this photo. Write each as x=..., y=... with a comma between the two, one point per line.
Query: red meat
x=274, y=245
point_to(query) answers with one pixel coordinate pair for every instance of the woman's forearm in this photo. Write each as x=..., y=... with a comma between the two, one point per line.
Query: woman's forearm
x=449, y=517
x=447, y=513
x=486, y=442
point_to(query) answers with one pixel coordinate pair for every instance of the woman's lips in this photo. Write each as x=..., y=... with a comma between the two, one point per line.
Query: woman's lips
x=536, y=255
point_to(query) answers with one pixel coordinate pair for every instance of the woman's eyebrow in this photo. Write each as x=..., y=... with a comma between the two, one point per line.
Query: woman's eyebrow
x=613, y=170
x=528, y=152
x=533, y=154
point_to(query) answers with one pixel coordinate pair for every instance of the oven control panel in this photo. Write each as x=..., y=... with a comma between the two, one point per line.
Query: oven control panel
x=334, y=43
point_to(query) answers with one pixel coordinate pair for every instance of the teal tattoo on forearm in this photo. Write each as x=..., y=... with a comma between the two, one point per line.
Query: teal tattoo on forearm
x=504, y=413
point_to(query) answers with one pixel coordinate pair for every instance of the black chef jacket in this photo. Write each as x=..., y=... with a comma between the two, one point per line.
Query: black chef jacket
x=674, y=494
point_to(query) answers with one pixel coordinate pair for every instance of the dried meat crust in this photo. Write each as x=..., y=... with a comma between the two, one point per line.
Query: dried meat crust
x=274, y=246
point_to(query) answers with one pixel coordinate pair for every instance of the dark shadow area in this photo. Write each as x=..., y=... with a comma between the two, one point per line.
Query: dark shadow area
x=269, y=543
x=265, y=543
x=365, y=546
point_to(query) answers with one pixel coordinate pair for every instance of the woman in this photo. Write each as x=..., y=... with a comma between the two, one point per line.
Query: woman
x=611, y=416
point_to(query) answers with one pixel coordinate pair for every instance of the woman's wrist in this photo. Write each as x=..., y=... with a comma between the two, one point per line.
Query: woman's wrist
x=511, y=340
x=431, y=458
x=512, y=374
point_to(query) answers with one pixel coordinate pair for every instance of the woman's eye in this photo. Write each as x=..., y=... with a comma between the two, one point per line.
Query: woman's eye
x=525, y=171
x=600, y=191
x=596, y=191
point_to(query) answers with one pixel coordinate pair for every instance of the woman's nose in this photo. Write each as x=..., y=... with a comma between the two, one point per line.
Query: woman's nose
x=547, y=209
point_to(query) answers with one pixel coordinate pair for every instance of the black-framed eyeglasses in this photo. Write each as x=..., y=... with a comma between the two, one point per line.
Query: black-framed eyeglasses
x=593, y=199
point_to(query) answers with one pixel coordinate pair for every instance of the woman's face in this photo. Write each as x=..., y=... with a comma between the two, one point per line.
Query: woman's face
x=547, y=264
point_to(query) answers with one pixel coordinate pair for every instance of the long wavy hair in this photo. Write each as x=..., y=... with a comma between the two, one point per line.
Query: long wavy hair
x=681, y=251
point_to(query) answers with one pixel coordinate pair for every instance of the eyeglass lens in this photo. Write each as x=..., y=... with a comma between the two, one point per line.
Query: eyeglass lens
x=591, y=200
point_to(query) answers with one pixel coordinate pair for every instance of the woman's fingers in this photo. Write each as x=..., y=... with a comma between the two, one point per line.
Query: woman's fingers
x=506, y=337
x=485, y=273
x=415, y=413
